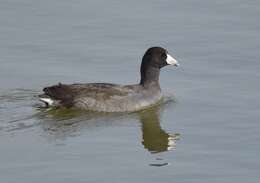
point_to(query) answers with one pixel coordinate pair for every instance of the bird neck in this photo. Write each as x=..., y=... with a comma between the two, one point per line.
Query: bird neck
x=149, y=76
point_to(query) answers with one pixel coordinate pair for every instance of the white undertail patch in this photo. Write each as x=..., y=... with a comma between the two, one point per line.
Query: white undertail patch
x=48, y=101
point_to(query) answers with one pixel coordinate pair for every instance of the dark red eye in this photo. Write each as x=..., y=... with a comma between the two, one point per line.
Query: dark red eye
x=164, y=56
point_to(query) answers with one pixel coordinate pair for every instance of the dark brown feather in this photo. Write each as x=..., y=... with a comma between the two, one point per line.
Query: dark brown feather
x=63, y=93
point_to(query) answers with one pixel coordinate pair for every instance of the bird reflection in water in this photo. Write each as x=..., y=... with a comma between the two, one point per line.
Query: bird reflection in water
x=155, y=139
x=64, y=122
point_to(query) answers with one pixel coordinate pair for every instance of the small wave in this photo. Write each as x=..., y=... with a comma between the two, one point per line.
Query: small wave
x=16, y=109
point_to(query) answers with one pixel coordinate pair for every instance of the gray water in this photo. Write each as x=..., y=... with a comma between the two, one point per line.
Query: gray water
x=206, y=130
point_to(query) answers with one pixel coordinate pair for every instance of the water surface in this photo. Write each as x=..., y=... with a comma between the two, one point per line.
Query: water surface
x=207, y=130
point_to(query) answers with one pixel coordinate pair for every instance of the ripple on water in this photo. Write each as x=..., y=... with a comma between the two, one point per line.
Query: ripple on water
x=22, y=111
x=16, y=109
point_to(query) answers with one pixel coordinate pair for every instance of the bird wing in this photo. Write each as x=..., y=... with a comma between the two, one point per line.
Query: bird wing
x=99, y=91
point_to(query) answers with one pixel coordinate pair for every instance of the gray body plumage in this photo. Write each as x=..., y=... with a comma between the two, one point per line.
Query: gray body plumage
x=105, y=97
x=115, y=98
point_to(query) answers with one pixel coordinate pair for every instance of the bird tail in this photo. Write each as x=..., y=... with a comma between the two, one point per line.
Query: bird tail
x=46, y=99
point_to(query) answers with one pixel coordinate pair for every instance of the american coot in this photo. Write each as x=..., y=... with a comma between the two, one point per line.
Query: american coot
x=106, y=97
